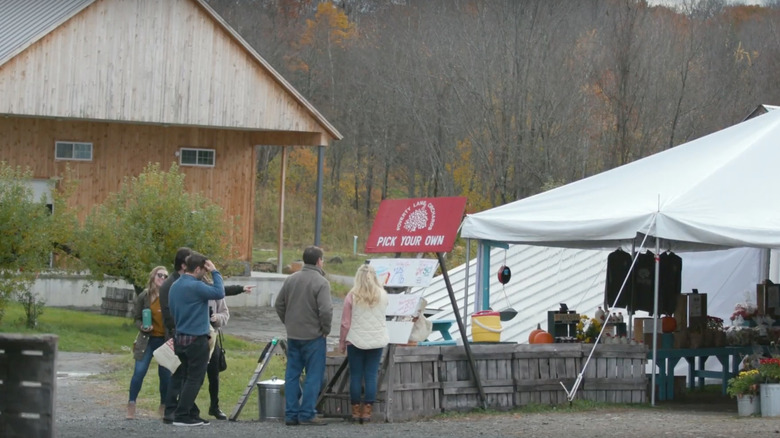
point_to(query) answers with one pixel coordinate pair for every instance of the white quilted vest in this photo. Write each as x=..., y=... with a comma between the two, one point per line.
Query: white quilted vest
x=368, y=329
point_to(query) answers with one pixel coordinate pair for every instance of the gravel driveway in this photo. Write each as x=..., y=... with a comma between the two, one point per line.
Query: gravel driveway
x=89, y=408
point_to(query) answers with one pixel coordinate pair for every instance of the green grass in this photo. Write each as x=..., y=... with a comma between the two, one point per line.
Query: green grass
x=78, y=331
x=81, y=331
x=232, y=382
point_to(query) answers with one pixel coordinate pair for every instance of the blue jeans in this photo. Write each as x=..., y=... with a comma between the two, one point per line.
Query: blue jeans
x=308, y=355
x=363, y=369
x=142, y=366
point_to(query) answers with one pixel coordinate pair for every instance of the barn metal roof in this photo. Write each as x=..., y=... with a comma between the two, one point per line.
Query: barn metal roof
x=23, y=22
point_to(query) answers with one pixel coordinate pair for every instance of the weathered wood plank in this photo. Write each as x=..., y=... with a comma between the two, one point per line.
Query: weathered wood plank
x=508, y=381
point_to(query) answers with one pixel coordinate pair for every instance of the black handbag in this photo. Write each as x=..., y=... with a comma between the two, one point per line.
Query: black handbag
x=222, y=359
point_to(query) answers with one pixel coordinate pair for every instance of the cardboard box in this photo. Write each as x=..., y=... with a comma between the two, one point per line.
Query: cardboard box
x=642, y=326
x=768, y=299
x=638, y=329
x=664, y=340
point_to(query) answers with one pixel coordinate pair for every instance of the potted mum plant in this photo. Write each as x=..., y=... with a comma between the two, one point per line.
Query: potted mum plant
x=769, y=368
x=745, y=387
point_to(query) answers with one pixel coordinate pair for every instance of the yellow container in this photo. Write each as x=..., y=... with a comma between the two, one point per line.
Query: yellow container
x=486, y=326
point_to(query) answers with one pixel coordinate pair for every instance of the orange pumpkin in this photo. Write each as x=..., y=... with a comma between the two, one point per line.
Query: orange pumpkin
x=668, y=324
x=534, y=332
x=543, y=337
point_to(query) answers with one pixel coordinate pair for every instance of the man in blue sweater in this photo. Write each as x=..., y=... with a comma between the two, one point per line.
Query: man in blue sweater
x=188, y=301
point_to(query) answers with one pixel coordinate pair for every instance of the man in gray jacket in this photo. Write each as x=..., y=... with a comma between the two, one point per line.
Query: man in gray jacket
x=305, y=307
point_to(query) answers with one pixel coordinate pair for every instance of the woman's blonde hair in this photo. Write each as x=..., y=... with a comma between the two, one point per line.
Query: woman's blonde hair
x=367, y=290
x=151, y=286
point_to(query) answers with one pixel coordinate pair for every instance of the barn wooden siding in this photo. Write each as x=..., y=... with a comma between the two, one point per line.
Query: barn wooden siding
x=121, y=149
x=424, y=381
x=166, y=62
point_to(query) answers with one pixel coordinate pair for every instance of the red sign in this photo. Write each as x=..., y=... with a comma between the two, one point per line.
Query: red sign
x=416, y=225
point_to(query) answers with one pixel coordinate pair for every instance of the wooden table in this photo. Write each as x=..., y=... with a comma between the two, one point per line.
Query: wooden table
x=729, y=358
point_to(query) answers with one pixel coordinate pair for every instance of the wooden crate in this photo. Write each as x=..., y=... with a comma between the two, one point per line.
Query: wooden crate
x=411, y=386
x=118, y=302
x=336, y=404
x=424, y=381
x=616, y=374
x=494, y=365
x=540, y=370
x=27, y=384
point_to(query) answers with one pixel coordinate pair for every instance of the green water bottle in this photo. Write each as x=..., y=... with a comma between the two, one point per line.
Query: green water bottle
x=146, y=317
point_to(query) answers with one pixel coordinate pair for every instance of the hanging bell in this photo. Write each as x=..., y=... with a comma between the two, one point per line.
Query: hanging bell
x=504, y=274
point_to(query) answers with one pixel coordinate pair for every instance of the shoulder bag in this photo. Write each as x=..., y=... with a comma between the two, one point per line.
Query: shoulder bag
x=222, y=359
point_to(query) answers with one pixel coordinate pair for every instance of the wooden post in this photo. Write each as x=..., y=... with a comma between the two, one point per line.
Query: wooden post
x=282, y=179
x=390, y=377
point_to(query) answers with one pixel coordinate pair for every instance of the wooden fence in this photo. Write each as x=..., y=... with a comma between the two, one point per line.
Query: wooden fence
x=27, y=385
x=424, y=381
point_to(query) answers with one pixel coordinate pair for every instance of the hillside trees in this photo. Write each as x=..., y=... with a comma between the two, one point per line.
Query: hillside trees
x=498, y=100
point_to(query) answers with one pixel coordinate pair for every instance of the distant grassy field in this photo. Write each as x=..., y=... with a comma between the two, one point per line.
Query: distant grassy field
x=348, y=265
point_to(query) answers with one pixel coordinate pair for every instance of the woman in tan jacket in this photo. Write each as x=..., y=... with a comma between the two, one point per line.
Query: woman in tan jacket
x=148, y=339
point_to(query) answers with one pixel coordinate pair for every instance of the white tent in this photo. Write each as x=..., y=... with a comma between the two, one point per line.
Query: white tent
x=713, y=192
x=543, y=277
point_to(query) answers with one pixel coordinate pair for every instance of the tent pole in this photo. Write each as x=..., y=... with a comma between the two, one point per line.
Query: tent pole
x=462, y=329
x=766, y=259
x=655, y=318
x=479, y=275
x=466, y=288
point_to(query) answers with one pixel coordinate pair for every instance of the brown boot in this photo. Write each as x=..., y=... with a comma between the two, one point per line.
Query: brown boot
x=357, y=410
x=130, y=411
x=365, y=415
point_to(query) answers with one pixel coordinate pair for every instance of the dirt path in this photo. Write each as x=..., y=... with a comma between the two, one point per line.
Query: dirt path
x=261, y=324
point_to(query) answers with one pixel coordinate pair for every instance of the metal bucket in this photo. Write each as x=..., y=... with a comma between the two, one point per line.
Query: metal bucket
x=770, y=399
x=270, y=400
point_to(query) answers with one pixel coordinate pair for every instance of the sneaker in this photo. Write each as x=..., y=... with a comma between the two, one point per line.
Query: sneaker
x=203, y=420
x=312, y=422
x=291, y=422
x=188, y=422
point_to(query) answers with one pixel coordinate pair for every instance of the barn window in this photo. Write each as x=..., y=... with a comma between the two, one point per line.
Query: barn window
x=72, y=150
x=197, y=157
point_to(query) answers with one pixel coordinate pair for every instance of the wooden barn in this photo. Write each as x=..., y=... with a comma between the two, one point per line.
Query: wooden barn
x=106, y=87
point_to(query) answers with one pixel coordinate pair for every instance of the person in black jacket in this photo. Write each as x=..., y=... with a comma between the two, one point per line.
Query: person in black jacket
x=219, y=316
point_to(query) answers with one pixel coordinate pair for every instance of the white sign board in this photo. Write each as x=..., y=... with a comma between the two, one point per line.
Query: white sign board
x=405, y=272
x=399, y=331
x=402, y=304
